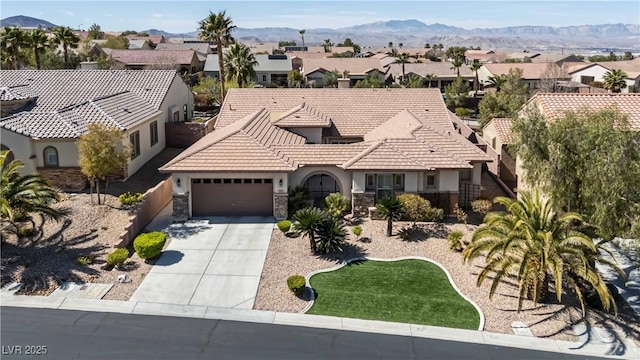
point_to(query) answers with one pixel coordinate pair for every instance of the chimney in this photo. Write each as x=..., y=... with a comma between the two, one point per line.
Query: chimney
x=88, y=65
x=344, y=83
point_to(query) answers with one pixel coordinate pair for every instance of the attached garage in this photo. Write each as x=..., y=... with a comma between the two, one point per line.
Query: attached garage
x=232, y=197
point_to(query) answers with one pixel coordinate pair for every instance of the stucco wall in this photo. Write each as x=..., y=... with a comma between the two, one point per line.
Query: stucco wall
x=359, y=181
x=448, y=180
x=21, y=147
x=147, y=152
x=411, y=182
x=67, y=151
x=179, y=95
x=596, y=71
x=344, y=178
x=489, y=133
x=477, y=173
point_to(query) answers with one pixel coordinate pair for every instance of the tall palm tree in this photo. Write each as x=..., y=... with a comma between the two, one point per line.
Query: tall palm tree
x=430, y=78
x=240, y=63
x=38, y=41
x=496, y=82
x=13, y=40
x=476, y=83
x=306, y=221
x=615, y=80
x=302, y=35
x=66, y=37
x=327, y=45
x=538, y=245
x=390, y=208
x=402, y=59
x=24, y=194
x=218, y=28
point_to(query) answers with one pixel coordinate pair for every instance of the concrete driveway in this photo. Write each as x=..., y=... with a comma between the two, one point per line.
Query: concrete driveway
x=210, y=262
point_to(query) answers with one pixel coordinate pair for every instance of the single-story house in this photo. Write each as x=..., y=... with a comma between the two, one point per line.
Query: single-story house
x=532, y=73
x=497, y=134
x=201, y=49
x=271, y=69
x=139, y=45
x=557, y=59
x=153, y=40
x=184, y=61
x=630, y=67
x=45, y=111
x=314, y=69
x=443, y=72
x=363, y=143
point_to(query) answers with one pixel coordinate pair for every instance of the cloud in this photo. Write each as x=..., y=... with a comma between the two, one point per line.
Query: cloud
x=108, y=15
x=69, y=13
x=156, y=15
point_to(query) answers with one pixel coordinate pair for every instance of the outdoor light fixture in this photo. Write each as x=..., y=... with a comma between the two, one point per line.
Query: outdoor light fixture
x=280, y=182
x=178, y=182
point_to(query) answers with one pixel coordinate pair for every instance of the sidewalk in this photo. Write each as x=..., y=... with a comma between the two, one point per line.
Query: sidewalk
x=324, y=322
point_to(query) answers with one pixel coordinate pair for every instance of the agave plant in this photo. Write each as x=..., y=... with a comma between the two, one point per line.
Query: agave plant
x=306, y=221
x=331, y=234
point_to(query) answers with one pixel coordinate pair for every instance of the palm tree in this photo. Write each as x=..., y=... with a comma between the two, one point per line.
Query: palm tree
x=427, y=46
x=38, y=41
x=615, y=80
x=538, y=245
x=496, y=82
x=476, y=83
x=390, y=208
x=306, y=221
x=217, y=28
x=24, y=194
x=239, y=64
x=66, y=37
x=390, y=44
x=13, y=40
x=402, y=59
x=400, y=45
x=455, y=65
x=302, y=35
x=430, y=78
x=327, y=45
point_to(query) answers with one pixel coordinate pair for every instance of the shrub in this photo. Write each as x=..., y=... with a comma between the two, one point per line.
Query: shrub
x=296, y=284
x=455, y=240
x=460, y=214
x=357, y=230
x=118, y=257
x=336, y=204
x=284, y=225
x=331, y=235
x=85, y=260
x=299, y=198
x=149, y=245
x=481, y=206
x=417, y=208
x=434, y=214
x=129, y=199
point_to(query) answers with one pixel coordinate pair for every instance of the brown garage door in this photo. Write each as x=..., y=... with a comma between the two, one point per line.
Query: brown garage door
x=232, y=197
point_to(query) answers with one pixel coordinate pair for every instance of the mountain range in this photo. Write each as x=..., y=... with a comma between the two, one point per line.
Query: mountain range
x=415, y=33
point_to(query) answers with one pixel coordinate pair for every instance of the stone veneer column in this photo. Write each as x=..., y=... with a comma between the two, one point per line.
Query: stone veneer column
x=64, y=178
x=281, y=205
x=361, y=202
x=181, y=206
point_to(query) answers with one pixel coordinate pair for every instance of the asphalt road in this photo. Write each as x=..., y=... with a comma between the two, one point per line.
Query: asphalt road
x=94, y=335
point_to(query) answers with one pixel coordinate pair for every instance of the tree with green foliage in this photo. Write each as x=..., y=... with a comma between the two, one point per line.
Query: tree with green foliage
x=390, y=208
x=38, y=41
x=306, y=221
x=207, y=92
x=476, y=82
x=330, y=79
x=457, y=53
x=586, y=161
x=456, y=93
x=336, y=204
x=23, y=195
x=513, y=93
x=331, y=234
x=540, y=245
x=415, y=81
x=627, y=56
x=64, y=36
x=14, y=41
x=302, y=32
x=327, y=45
x=430, y=78
x=615, y=80
x=371, y=81
x=402, y=59
x=218, y=28
x=295, y=79
x=95, y=32
x=116, y=42
x=240, y=64
x=101, y=155
x=496, y=82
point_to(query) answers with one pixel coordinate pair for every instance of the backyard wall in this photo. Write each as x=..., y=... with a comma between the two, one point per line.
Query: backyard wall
x=155, y=199
x=185, y=134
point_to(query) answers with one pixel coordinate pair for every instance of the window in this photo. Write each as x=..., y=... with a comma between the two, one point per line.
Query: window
x=493, y=142
x=465, y=175
x=153, y=129
x=185, y=112
x=135, y=144
x=431, y=181
x=206, y=181
x=587, y=79
x=50, y=156
x=264, y=78
x=398, y=182
x=217, y=181
x=384, y=184
x=371, y=182
x=176, y=116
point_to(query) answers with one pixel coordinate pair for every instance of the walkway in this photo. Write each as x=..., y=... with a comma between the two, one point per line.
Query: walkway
x=210, y=262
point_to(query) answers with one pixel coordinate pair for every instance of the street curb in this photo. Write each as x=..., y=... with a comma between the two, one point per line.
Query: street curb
x=319, y=321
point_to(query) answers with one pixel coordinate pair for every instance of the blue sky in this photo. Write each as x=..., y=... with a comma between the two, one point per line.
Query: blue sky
x=183, y=16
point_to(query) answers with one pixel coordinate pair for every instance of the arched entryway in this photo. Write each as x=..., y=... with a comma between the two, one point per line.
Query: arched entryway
x=320, y=185
x=10, y=157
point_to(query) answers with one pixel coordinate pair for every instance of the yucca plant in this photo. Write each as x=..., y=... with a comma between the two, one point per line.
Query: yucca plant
x=331, y=234
x=390, y=208
x=306, y=221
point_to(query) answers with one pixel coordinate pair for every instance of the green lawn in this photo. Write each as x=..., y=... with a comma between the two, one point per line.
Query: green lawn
x=407, y=291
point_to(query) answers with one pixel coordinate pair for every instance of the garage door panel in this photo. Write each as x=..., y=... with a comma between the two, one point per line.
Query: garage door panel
x=232, y=199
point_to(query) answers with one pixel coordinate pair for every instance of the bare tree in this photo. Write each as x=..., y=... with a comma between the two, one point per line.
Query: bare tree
x=550, y=77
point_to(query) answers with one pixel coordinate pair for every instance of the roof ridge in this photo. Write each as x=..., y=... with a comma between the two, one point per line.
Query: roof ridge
x=64, y=120
x=406, y=155
x=104, y=113
x=376, y=144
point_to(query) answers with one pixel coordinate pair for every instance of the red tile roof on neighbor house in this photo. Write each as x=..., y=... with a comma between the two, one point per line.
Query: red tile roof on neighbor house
x=153, y=57
x=394, y=137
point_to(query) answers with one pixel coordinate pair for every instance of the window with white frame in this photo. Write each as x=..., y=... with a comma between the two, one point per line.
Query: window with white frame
x=51, y=157
x=431, y=181
x=384, y=184
x=153, y=130
x=135, y=144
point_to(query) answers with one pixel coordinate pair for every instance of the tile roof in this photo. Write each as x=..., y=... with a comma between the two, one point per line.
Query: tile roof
x=554, y=105
x=18, y=92
x=572, y=67
x=503, y=129
x=302, y=115
x=355, y=66
x=57, y=89
x=265, y=64
x=153, y=57
x=202, y=48
x=156, y=39
x=123, y=111
x=394, y=138
x=530, y=71
x=630, y=67
x=138, y=44
x=440, y=69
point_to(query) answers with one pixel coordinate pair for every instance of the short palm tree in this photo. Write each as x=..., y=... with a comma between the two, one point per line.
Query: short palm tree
x=331, y=235
x=240, y=63
x=38, y=41
x=24, y=194
x=66, y=37
x=496, y=82
x=456, y=64
x=390, y=208
x=476, y=83
x=538, y=245
x=306, y=221
x=430, y=78
x=217, y=28
x=302, y=35
x=615, y=80
x=13, y=41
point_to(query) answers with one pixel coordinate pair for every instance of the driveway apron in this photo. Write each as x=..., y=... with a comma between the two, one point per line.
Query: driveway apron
x=210, y=262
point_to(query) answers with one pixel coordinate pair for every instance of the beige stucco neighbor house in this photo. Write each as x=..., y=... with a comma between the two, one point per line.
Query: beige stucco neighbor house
x=532, y=73
x=435, y=74
x=497, y=134
x=45, y=111
x=363, y=143
x=314, y=69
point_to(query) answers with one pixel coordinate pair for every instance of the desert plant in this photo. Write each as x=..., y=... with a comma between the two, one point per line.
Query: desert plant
x=357, y=231
x=299, y=198
x=407, y=232
x=85, y=259
x=149, y=245
x=390, y=208
x=118, y=257
x=460, y=214
x=455, y=240
x=434, y=214
x=129, y=199
x=331, y=235
x=284, y=225
x=296, y=284
x=481, y=206
x=414, y=206
x=336, y=204
x=306, y=221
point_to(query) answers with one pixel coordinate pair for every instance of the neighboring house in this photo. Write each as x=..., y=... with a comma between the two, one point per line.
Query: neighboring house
x=553, y=106
x=314, y=69
x=341, y=50
x=271, y=69
x=202, y=49
x=443, y=71
x=139, y=45
x=363, y=143
x=631, y=68
x=497, y=134
x=557, y=59
x=587, y=73
x=532, y=73
x=45, y=111
x=153, y=40
x=184, y=61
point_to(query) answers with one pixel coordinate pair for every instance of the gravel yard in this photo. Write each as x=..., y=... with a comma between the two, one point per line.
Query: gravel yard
x=288, y=256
